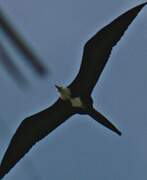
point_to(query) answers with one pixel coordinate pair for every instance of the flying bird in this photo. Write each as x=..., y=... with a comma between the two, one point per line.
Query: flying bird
x=76, y=97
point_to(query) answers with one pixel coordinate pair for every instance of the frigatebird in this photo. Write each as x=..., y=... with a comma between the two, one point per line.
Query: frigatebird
x=75, y=98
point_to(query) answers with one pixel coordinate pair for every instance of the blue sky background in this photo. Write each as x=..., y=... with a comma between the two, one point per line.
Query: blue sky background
x=80, y=149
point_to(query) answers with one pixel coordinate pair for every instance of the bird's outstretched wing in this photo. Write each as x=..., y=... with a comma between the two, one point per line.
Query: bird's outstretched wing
x=98, y=49
x=32, y=130
x=15, y=38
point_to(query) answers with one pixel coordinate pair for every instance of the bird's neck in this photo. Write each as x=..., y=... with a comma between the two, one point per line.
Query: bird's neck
x=65, y=93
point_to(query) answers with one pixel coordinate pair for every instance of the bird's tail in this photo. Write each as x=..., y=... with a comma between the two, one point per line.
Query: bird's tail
x=102, y=120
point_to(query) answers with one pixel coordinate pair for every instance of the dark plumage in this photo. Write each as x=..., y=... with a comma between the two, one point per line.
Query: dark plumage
x=74, y=99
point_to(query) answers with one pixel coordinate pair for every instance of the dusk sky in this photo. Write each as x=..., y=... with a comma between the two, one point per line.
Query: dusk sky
x=80, y=149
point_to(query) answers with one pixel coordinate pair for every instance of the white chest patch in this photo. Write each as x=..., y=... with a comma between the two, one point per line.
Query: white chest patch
x=65, y=94
x=76, y=102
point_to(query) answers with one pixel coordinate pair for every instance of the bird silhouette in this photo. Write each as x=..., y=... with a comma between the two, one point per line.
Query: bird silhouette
x=75, y=98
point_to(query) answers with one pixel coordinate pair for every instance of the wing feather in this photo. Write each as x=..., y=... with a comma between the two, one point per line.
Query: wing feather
x=98, y=49
x=33, y=129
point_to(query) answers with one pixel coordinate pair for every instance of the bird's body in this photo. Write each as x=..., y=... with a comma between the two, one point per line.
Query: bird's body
x=76, y=97
x=77, y=102
x=66, y=95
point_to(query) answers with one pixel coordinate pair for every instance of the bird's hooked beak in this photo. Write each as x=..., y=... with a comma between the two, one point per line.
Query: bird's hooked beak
x=58, y=88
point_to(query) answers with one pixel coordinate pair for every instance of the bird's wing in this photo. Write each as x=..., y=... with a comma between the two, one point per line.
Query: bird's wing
x=15, y=38
x=98, y=49
x=33, y=129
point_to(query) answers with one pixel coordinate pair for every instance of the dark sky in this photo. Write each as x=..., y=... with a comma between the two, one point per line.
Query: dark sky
x=80, y=149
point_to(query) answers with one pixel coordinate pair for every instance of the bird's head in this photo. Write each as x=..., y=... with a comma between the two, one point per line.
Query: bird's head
x=59, y=88
x=64, y=92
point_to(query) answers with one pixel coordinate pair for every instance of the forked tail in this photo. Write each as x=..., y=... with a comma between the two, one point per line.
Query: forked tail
x=102, y=120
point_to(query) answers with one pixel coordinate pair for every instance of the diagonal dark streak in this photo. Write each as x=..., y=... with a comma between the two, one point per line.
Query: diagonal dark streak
x=11, y=68
x=15, y=38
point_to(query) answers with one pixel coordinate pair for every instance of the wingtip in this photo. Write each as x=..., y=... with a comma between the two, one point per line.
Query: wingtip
x=144, y=3
x=138, y=7
x=3, y=172
x=1, y=175
x=141, y=5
